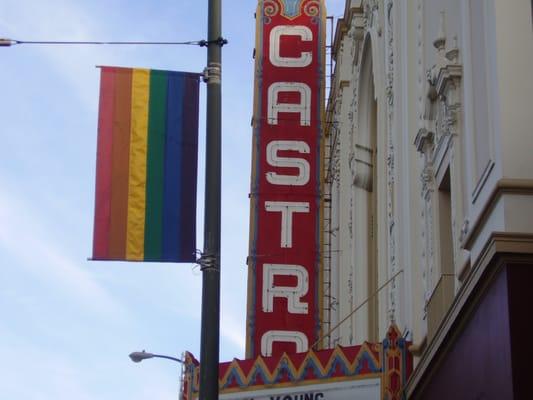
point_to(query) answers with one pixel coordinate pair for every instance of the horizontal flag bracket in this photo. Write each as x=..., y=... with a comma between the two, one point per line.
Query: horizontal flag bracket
x=220, y=42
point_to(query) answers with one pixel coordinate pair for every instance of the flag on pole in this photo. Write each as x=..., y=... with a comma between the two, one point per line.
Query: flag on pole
x=146, y=167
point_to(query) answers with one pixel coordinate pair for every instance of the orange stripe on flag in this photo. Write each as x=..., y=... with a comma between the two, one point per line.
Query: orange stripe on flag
x=120, y=164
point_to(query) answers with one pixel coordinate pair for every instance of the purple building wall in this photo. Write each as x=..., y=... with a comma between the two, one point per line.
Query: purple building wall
x=520, y=279
x=477, y=362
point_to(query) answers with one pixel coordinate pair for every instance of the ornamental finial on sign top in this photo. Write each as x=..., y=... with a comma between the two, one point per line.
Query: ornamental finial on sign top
x=291, y=9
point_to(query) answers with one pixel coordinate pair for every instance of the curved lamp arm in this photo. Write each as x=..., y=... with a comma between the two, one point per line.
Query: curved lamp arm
x=138, y=356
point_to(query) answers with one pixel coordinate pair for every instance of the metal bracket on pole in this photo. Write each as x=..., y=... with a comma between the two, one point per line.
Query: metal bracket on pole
x=208, y=262
x=212, y=73
x=220, y=42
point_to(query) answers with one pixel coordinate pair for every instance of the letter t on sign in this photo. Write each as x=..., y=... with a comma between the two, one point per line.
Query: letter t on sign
x=286, y=208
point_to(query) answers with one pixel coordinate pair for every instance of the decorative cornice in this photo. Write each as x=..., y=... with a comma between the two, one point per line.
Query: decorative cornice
x=353, y=16
x=503, y=186
x=445, y=75
x=340, y=30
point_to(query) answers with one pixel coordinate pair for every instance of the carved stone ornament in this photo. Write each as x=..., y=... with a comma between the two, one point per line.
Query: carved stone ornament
x=362, y=168
x=424, y=140
x=440, y=123
x=356, y=35
x=443, y=96
x=371, y=17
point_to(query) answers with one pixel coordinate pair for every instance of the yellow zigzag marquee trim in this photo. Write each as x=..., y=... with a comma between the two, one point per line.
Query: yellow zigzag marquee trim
x=388, y=360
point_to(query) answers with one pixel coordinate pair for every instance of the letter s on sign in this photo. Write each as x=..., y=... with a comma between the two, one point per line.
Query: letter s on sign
x=275, y=160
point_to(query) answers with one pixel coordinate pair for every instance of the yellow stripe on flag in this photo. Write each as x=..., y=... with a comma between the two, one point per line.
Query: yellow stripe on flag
x=137, y=173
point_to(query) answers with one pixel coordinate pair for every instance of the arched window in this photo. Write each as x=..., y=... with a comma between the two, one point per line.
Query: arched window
x=365, y=202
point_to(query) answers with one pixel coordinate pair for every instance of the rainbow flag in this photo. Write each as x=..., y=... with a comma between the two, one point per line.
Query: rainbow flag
x=146, y=167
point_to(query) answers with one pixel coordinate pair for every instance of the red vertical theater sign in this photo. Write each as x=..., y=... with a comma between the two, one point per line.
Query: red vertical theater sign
x=285, y=260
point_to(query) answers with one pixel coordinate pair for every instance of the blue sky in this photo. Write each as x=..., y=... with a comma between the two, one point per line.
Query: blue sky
x=67, y=324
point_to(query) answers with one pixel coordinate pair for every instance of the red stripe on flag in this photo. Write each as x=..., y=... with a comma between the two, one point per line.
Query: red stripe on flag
x=120, y=164
x=102, y=208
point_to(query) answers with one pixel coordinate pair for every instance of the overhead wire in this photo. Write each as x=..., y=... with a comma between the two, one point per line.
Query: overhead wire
x=202, y=43
x=353, y=311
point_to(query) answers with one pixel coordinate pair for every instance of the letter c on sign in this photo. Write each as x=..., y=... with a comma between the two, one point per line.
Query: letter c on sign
x=270, y=337
x=306, y=57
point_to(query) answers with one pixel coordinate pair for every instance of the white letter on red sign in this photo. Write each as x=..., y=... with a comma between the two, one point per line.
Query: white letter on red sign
x=268, y=339
x=303, y=107
x=286, y=208
x=276, y=59
x=293, y=294
x=288, y=162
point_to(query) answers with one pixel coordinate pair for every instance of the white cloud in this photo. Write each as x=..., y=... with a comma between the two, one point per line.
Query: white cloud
x=232, y=328
x=56, y=20
x=26, y=236
x=30, y=372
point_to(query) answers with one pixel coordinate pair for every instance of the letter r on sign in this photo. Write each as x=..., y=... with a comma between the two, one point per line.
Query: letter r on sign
x=293, y=294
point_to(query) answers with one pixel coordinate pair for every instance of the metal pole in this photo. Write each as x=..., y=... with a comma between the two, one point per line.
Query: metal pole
x=209, y=346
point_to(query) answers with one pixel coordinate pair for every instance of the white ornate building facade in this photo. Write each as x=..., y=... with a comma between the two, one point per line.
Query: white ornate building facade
x=429, y=189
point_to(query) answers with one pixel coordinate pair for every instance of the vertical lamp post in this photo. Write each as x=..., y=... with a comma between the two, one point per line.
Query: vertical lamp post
x=210, y=261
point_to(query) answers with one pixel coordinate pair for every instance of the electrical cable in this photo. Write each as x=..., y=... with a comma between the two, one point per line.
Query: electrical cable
x=354, y=310
x=202, y=43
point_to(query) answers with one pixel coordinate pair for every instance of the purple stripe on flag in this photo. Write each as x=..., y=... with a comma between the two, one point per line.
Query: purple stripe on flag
x=188, y=168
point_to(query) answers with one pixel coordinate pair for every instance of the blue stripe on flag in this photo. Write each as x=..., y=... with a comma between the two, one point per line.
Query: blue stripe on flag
x=173, y=189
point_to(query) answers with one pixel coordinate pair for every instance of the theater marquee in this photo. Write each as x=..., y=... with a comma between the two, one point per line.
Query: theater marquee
x=367, y=389
x=285, y=234
x=370, y=371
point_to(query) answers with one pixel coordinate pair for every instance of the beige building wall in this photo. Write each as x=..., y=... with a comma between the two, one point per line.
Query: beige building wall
x=429, y=158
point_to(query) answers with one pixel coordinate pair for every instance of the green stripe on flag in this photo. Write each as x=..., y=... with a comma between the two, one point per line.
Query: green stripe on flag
x=155, y=166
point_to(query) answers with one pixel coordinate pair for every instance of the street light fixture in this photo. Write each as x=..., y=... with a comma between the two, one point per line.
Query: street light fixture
x=138, y=356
